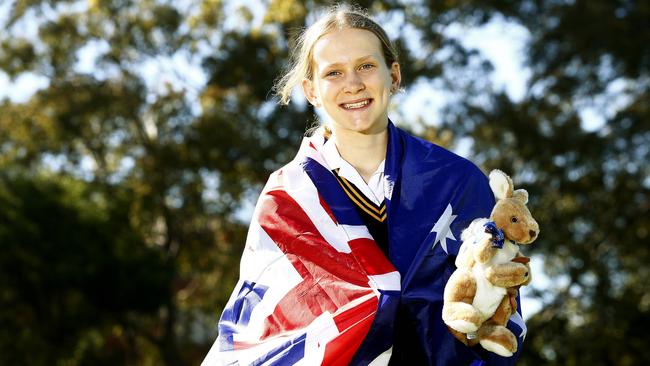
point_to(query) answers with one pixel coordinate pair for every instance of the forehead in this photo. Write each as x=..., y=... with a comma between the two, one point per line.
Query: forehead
x=345, y=46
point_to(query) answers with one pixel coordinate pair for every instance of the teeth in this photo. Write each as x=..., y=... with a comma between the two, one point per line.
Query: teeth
x=356, y=105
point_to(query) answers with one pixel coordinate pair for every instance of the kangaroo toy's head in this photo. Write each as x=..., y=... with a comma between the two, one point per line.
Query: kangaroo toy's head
x=510, y=212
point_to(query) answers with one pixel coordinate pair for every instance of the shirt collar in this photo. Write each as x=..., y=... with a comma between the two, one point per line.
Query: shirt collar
x=331, y=155
x=335, y=161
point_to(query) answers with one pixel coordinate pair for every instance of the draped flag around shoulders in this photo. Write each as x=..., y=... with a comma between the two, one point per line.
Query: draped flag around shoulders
x=315, y=289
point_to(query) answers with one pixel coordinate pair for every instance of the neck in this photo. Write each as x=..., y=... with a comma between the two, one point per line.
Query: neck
x=363, y=151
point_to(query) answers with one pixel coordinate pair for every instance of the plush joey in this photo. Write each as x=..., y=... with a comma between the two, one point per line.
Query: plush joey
x=478, y=298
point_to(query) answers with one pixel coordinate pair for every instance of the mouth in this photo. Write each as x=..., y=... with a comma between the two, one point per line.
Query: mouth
x=356, y=105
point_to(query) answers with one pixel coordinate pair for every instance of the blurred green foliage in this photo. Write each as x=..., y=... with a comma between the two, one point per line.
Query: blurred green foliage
x=124, y=190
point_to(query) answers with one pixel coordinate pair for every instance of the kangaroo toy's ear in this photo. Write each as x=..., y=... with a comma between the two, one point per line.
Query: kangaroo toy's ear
x=501, y=184
x=521, y=194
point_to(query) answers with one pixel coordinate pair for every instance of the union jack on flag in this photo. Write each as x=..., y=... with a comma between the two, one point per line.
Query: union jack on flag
x=315, y=289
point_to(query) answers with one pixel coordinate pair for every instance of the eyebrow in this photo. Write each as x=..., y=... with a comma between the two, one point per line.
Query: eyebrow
x=337, y=64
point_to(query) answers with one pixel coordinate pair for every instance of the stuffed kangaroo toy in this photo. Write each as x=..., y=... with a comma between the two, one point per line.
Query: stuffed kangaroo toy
x=477, y=305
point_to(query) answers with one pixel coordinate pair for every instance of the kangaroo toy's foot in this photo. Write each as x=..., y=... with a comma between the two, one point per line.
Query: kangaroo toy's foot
x=498, y=339
x=461, y=317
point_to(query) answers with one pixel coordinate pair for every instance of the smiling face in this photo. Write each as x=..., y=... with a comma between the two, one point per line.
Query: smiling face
x=351, y=81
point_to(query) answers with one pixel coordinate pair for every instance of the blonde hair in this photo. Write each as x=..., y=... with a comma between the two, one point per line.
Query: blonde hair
x=340, y=16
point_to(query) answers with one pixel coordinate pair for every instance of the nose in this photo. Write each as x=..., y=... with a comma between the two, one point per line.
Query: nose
x=354, y=83
x=532, y=234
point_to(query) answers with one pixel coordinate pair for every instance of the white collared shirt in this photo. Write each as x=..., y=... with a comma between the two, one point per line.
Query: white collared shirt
x=373, y=190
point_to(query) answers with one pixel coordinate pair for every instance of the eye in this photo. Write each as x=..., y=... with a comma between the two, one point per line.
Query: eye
x=333, y=73
x=366, y=66
x=513, y=219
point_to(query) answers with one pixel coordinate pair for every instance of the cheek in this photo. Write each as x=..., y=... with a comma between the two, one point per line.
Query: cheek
x=328, y=90
x=381, y=82
x=388, y=79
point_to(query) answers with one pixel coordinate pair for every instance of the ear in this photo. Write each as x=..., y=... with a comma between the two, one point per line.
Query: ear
x=521, y=195
x=309, y=90
x=395, y=76
x=501, y=184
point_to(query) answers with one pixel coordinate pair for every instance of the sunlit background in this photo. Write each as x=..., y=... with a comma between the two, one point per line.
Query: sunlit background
x=135, y=137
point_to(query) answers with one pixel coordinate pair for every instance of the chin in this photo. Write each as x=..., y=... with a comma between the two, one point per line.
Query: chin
x=360, y=124
x=364, y=127
x=373, y=127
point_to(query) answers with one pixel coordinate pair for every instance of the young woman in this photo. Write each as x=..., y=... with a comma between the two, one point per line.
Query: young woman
x=352, y=242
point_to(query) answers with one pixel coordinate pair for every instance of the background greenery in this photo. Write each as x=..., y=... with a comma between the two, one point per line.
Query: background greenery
x=124, y=188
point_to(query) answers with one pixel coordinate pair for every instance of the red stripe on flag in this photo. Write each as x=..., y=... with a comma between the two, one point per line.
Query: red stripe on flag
x=353, y=325
x=243, y=345
x=331, y=279
x=371, y=257
x=327, y=209
x=291, y=229
x=298, y=308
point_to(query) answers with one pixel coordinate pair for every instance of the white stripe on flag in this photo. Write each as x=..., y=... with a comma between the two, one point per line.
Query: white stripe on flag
x=517, y=319
x=300, y=187
x=382, y=359
x=320, y=332
x=387, y=281
x=357, y=232
x=246, y=356
x=263, y=267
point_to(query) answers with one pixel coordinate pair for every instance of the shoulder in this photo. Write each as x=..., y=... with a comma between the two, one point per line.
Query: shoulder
x=283, y=177
x=426, y=156
x=291, y=178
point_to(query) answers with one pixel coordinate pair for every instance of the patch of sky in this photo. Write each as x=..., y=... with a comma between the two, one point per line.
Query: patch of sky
x=87, y=57
x=236, y=21
x=244, y=212
x=423, y=100
x=87, y=166
x=211, y=182
x=210, y=193
x=503, y=43
x=5, y=7
x=89, y=62
x=27, y=26
x=174, y=197
x=541, y=284
x=23, y=87
x=298, y=98
x=86, y=169
x=28, y=83
x=125, y=166
x=71, y=6
x=116, y=138
x=500, y=41
x=525, y=174
x=55, y=162
x=595, y=110
x=392, y=22
x=266, y=109
x=463, y=147
x=180, y=72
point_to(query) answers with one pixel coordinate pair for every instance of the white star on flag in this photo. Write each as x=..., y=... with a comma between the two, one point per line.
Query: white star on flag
x=442, y=228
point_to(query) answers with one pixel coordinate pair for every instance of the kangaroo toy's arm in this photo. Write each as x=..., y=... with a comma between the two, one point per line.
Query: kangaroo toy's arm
x=508, y=274
x=484, y=250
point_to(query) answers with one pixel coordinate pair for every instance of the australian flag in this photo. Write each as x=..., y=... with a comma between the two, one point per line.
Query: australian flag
x=315, y=289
